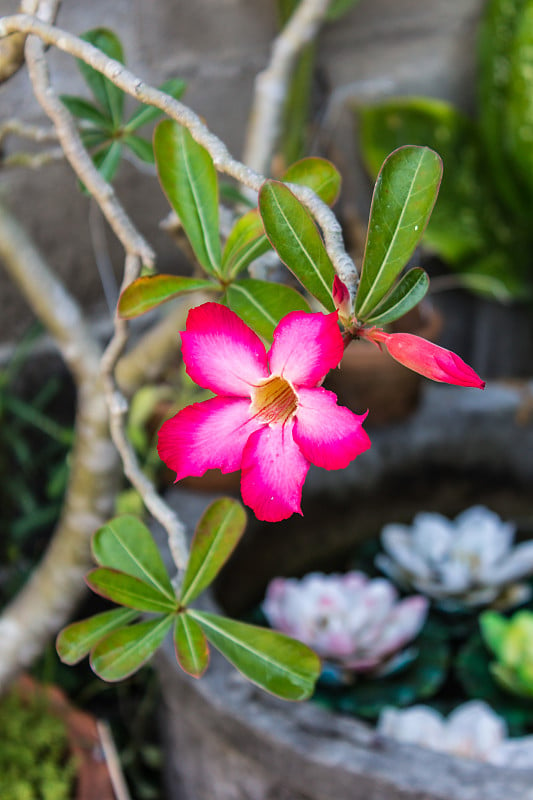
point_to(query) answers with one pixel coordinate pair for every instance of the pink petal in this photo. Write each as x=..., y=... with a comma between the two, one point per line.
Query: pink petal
x=220, y=352
x=206, y=436
x=329, y=435
x=306, y=347
x=273, y=473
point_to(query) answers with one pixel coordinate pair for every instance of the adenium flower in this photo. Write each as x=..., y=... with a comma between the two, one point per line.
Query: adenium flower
x=461, y=563
x=472, y=730
x=348, y=619
x=270, y=419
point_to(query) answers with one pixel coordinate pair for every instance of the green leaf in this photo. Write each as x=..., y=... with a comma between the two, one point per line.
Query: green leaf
x=85, y=110
x=142, y=148
x=110, y=97
x=148, y=292
x=189, y=179
x=339, y=7
x=146, y=114
x=500, y=275
x=93, y=138
x=295, y=237
x=261, y=304
x=404, y=196
x=76, y=641
x=408, y=292
x=318, y=174
x=126, y=544
x=125, y=590
x=246, y=242
x=107, y=160
x=123, y=652
x=221, y=526
x=191, y=646
x=493, y=628
x=273, y=661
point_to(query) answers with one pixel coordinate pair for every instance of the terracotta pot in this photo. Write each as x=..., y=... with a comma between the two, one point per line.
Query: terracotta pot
x=369, y=378
x=93, y=777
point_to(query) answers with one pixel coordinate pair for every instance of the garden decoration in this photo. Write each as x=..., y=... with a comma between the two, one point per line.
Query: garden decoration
x=480, y=227
x=461, y=564
x=472, y=730
x=262, y=347
x=510, y=641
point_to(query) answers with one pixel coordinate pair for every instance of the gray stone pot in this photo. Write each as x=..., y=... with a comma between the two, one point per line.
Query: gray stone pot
x=227, y=740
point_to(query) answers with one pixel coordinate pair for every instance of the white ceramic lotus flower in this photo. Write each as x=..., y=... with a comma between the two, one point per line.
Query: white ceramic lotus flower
x=348, y=619
x=472, y=730
x=461, y=563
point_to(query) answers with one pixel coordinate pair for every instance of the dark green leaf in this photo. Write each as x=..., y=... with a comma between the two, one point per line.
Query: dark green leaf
x=246, y=242
x=189, y=179
x=261, y=304
x=271, y=660
x=318, y=174
x=94, y=138
x=107, y=160
x=106, y=93
x=404, y=196
x=146, y=114
x=408, y=292
x=295, y=237
x=75, y=641
x=142, y=148
x=148, y=292
x=125, y=590
x=126, y=544
x=191, y=646
x=217, y=533
x=123, y=652
x=82, y=109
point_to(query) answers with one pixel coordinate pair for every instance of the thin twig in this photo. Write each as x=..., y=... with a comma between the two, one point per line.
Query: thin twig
x=35, y=133
x=32, y=160
x=112, y=759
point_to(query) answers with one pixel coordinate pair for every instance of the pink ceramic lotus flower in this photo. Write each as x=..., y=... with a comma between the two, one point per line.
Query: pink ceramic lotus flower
x=270, y=419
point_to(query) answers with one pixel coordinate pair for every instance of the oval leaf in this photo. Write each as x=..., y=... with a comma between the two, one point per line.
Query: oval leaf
x=261, y=304
x=107, y=160
x=148, y=292
x=123, y=652
x=318, y=174
x=125, y=590
x=246, y=242
x=140, y=147
x=110, y=97
x=275, y=662
x=77, y=640
x=189, y=179
x=409, y=291
x=404, y=196
x=126, y=544
x=217, y=533
x=191, y=646
x=295, y=237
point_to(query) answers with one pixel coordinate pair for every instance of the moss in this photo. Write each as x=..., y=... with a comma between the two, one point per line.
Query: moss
x=34, y=756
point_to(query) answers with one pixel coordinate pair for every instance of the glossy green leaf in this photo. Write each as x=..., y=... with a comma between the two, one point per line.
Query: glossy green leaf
x=408, y=292
x=146, y=114
x=261, y=304
x=189, y=179
x=107, y=160
x=125, y=590
x=126, y=544
x=77, y=640
x=246, y=242
x=217, y=533
x=404, y=196
x=83, y=109
x=191, y=646
x=148, y=292
x=318, y=174
x=273, y=661
x=142, y=148
x=295, y=237
x=123, y=652
x=109, y=96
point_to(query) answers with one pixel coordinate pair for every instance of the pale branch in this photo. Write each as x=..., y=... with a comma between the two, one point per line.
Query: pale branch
x=32, y=160
x=224, y=162
x=47, y=600
x=12, y=47
x=272, y=84
x=35, y=133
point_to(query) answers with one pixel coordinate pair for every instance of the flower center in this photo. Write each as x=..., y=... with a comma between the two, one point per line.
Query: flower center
x=274, y=400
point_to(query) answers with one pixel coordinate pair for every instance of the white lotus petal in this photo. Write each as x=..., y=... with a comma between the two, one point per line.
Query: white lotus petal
x=474, y=730
x=480, y=531
x=419, y=725
x=432, y=536
x=403, y=624
x=517, y=564
x=392, y=570
x=397, y=542
x=456, y=576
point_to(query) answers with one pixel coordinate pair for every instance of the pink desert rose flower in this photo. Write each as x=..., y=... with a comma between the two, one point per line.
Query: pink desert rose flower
x=270, y=419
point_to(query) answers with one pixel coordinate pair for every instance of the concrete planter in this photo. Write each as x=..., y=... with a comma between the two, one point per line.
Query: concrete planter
x=227, y=740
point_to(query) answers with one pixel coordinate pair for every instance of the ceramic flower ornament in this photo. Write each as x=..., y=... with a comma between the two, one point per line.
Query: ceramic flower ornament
x=511, y=641
x=463, y=563
x=270, y=418
x=472, y=730
x=348, y=619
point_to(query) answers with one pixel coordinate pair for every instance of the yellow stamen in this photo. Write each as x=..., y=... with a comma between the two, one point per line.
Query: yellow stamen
x=274, y=400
